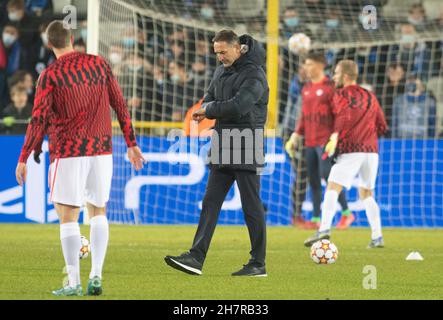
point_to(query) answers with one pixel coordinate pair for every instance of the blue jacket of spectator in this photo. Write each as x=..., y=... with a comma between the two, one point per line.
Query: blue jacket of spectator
x=32, y=5
x=414, y=116
x=14, y=57
x=416, y=59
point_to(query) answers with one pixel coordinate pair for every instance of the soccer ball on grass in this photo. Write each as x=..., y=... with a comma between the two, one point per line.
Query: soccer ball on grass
x=324, y=252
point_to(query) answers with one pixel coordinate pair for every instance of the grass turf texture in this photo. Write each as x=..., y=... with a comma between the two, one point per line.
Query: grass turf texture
x=32, y=263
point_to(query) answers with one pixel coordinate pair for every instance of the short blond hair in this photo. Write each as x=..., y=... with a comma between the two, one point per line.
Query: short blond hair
x=349, y=68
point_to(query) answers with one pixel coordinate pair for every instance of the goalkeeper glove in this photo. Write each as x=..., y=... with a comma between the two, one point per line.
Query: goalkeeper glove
x=8, y=121
x=331, y=146
x=291, y=144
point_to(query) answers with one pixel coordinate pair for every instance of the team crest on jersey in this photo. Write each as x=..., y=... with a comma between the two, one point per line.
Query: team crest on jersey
x=319, y=92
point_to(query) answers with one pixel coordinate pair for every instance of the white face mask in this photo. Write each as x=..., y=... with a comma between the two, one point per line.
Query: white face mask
x=44, y=38
x=8, y=39
x=13, y=16
x=115, y=58
x=207, y=12
x=408, y=38
x=175, y=78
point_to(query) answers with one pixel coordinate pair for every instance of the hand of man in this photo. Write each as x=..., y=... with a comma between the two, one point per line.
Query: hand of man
x=136, y=157
x=199, y=115
x=292, y=144
x=20, y=173
x=331, y=146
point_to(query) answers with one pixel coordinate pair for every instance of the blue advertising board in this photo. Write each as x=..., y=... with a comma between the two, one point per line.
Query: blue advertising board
x=170, y=188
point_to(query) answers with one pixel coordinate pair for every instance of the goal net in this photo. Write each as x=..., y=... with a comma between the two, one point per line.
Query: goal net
x=161, y=53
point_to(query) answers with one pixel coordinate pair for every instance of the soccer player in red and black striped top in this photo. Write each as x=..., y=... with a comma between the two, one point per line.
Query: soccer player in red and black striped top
x=359, y=121
x=316, y=124
x=73, y=103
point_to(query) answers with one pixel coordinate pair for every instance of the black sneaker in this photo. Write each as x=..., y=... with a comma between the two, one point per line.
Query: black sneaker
x=185, y=263
x=318, y=236
x=251, y=271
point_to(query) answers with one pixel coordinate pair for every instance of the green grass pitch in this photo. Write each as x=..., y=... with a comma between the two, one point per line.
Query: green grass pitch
x=32, y=263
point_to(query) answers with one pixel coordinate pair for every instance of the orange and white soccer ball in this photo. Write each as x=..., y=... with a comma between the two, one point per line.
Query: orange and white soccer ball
x=299, y=43
x=324, y=252
x=85, y=249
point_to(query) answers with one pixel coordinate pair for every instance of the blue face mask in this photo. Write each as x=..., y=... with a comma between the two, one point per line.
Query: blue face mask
x=292, y=22
x=128, y=42
x=411, y=87
x=332, y=23
x=84, y=34
x=207, y=13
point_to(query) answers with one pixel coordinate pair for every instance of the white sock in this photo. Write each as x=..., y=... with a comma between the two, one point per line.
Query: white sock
x=71, y=244
x=329, y=208
x=99, y=244
x=373, y=214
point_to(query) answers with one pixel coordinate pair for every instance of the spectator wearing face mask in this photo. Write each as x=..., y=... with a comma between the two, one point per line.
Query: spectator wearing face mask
x=333, y=29
x=207, y=12
x=41, y=56
x=26, y=24
x=201, y=74
x=393, y=86
x=17, y=57
x=130, y=39
x=180, y=91
x=414, y=112
x=412, y=53
x=203, y=51
x=116, y=56
x=83, y=31
x=292, y=23
x=137, y=72
x=417, y=17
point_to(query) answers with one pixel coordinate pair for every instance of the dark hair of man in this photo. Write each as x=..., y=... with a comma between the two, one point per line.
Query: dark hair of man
x=317, y=57
x=228, y=36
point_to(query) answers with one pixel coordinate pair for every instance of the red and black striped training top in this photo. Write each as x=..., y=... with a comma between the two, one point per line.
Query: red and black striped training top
x=359, y=120
x=72, y=102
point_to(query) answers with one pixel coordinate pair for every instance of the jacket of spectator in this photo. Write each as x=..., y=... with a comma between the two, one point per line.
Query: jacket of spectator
x=414, y=116
x=13, y=114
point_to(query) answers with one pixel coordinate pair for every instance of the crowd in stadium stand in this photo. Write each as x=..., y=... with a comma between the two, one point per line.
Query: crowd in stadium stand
x=173, y=66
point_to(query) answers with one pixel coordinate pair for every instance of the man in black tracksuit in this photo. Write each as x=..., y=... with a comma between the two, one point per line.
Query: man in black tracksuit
x=237, y=98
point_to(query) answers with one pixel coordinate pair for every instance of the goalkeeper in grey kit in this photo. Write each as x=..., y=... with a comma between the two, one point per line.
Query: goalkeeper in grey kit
x=237, y=98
